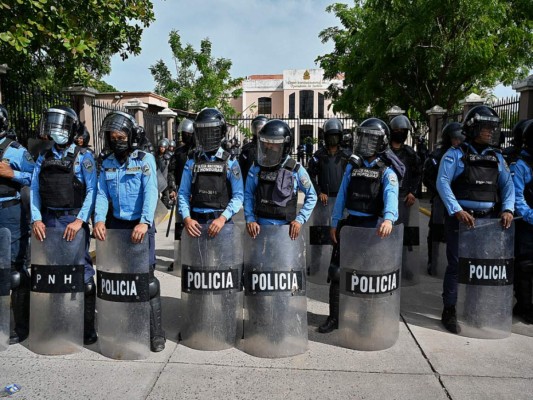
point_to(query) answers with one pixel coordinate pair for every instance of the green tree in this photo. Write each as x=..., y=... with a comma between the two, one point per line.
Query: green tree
x=72, y=39
x=201, y=80
x=419, y=53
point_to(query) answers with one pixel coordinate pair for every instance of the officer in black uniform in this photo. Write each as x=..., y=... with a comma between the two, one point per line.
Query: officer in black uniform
x=162, y=161
x=16, y=168
x=511, y=154
x=327, y=165
x=249, y=151
x=171, y=147
x=144, y=143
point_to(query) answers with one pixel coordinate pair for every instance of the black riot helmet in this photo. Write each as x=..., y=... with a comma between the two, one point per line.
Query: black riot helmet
x=371, y=137
x=482, y=118
x=518, y=131
x=333, y=130
x=257, y=124
x=274, y=143
x=122, y=122
x=452, y=130
x=60, y=124
x=84, y=135
x=4, y=121
x=209, y=128
x=400, y=127
x=186, y=131
x=527, y=136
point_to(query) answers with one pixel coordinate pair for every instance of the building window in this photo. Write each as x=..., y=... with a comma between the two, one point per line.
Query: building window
x=320, y=105
x=292, y=105
x=265, y=105
x=306, y=103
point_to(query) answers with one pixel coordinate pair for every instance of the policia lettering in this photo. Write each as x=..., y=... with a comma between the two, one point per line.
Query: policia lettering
x=290, y=282
x=196, y=280
x=123, y=288
x=486, y=272
x=362, y=285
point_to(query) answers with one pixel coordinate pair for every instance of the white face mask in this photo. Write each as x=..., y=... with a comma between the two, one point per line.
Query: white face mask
x=60, y=136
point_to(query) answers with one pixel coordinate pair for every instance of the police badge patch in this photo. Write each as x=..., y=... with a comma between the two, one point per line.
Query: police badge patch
x=236, y=171
x=28, y=157
x=393, y=180
x=88, y=165
x=306, y=183
x=146, y=169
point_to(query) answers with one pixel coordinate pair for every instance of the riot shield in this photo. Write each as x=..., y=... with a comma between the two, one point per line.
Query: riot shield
x=369, y=288
x=485, y=277
x=5, y=286
x=318, y=242
x=275, y=305
x=57, y=293
x=123, y=299
x=439, y=262
x=161, y=212
x=410, y=218
x=211, y=289
x=178, y=232
x=162, y=179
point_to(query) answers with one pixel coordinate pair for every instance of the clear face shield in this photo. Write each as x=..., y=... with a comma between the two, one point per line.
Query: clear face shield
x=332, y=139
x=488, y=129
x=208, y=136
x=57, y=124
x=269, y=151
x=257, y=126
x=368, y=142
x=119, y=123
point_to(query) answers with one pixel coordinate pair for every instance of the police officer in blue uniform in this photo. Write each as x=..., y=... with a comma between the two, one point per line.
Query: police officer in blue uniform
x=211, y=189
x=16, y=169
x=271, y=195
x=128, y=184
x=63, y=191
x=522, y=172
x=369, y=190
x=473, y=182
x=249, y=150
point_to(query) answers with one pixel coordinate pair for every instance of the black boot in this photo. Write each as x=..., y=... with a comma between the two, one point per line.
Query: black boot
x=449, y=320
x=20, y=303
x=89, y=333
x=332, y=322
x=157, y=335
x=523, y=291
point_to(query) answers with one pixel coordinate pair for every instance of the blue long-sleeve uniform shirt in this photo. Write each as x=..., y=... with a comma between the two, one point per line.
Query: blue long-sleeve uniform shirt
x=521, y=173
x=21, y=163
x=390, y=195
x=302, y=181
x=131, y=187
x=451, y=166
x=233, y=175
x=85, y=172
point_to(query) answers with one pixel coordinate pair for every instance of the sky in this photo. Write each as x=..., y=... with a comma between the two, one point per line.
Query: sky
x=258, y=36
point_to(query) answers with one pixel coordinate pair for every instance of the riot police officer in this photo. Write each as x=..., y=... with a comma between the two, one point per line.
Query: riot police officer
x=512, y=153
x=177, y=162
x=133, y=205
x=162, y=162
x=369, y=190
x=82, y=138
x=171, y=147
x=211, y=189
x=452, y=135
x=522, y=172
x=271, y=195
x=473, y=182
x=144, y=143
x=16, y=168
x=249, y=150
x=327, y=165
x=63, y=192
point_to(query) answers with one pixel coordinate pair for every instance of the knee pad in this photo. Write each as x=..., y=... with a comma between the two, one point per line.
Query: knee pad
x=15, y=280
x=334, y=274
x=153, y=287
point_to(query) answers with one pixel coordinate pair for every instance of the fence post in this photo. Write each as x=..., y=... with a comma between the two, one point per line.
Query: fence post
x=137, y=107
x=169, y=115
x=82, y=102
x=394, y=111
x=435, y=124
x=3, y=71
x=525, y=88
x=470, y=102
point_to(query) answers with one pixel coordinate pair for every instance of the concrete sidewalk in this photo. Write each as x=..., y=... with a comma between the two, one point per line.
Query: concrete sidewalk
x=425, y=363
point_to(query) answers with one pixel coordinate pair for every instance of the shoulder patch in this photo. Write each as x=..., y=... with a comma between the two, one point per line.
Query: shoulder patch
x=449, y=159
x=28, y=157
x=304, y=180
x=146, y=169
x=88, y=165
x=393, y=179
x=236, y=171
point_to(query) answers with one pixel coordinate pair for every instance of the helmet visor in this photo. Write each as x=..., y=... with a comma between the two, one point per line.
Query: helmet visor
x=257, y=126
x=208, y=136
x=57, y=123
x=269, y=151
x=332, y=139
x=368, y=142
x=488, y=129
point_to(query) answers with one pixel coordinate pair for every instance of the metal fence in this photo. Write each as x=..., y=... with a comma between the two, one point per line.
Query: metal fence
x=100, y=109
x=507, y=108
x=155, y=127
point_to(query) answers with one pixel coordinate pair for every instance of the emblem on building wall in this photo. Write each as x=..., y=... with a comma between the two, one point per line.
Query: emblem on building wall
x=307, y=76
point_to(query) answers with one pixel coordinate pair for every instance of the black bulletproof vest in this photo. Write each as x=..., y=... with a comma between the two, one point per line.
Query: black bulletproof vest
x=247, y=158
x=8, y=187
x=210, y=185
x=479, y=180
x=408, y=157
x=365, y=190
x=58, y=186
x=331, y=170
x=181, y=156
x=264, y=205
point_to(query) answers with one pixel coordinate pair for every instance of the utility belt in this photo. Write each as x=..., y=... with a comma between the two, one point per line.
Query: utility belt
x=356, y=219
x=205, y=216
x=9, y=203
x=61, y=213
x=116, y=223
x=490, y=212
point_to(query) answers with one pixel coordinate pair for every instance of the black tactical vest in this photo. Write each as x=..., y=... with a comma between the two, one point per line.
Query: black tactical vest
x=365, y=190
x=247, y=158
x=331, y=170
x=210, y=185
x=264, y=205
x=58, y=185
x=8, y=187
x=479, y=180
x=407, y=156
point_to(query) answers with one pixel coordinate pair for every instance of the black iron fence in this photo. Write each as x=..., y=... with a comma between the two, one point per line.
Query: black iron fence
x=155, y=127
x=507, y=108
x=100, y=109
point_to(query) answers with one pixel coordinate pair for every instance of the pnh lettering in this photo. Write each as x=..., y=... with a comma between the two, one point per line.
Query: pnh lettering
x=118, y=288
x=52, y=279
x=274, y=281
x=210, y=280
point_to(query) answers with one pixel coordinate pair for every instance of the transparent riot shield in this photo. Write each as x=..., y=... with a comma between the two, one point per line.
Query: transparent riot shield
x=211, y=285
x=161, y=212
x=439, y=262
x=485, y=277
x=275, y=305
x=318, y=242
x=178, y=232
x=57, y=293
x=123, y=299
x=369, y=288
x=5, y=286
x=410, y=218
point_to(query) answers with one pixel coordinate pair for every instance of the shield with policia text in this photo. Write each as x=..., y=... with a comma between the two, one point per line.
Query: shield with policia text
x=318, y=242
x=410, y=218
x=5, y=286
x=123, y=296
x=57, y=293
x=439, y=261
x=485, y=277
x=211, y=289
x=369, y=288
x=275, y=305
